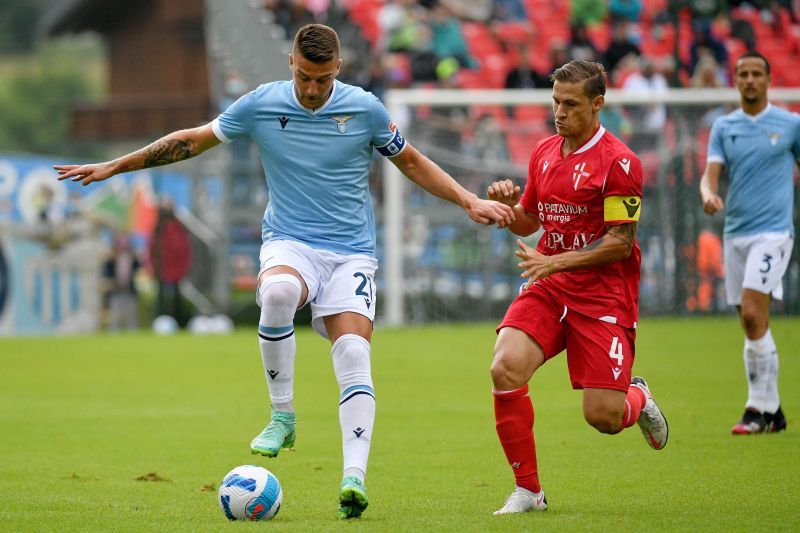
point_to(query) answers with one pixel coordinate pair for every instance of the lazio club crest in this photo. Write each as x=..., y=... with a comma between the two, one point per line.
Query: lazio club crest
x=773, y=138
x=341, y=123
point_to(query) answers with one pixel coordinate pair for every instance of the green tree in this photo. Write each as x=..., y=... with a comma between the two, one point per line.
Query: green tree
x=35, y=98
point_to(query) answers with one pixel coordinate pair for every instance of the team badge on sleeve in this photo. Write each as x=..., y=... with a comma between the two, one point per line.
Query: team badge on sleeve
x=395, y=145
x=627, y=208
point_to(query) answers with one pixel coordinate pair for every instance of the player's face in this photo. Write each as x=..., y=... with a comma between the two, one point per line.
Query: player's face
x=752, y=79
x=313, y=81
x=574, y=112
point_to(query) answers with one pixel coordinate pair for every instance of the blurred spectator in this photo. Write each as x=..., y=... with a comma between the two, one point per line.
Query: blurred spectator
x=488, y=143
x=170, y=258
x=477, y=10
x=629, y=10
x=290, y=14
x=742, y=29
x=706, y=75
x=581, y=46
x=559, y=55
x=703, y=40
x=710, y=270
x=705, y=10
x=119, y=272
x=524, y=76
x=648, y=120
x=448, y=40
x=509, y=10
x=620, y=46
x=587, y=12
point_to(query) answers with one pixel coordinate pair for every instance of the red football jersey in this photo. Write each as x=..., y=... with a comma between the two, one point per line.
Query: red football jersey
x=575, y=198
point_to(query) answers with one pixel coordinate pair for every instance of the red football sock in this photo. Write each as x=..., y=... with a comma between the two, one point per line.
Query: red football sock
x=634, y=402
x=513, y=413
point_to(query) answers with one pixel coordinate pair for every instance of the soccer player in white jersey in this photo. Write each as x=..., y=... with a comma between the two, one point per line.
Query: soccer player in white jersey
x=316, y=137
x=759, y=145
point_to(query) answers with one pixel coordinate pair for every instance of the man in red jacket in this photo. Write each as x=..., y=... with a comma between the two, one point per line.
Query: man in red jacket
x=170, y=258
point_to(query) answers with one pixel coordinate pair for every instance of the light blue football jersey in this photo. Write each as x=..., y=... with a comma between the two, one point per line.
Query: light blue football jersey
x=759, y=152
x=316, y=162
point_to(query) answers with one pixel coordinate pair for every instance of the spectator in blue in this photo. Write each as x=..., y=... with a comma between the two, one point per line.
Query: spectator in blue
x=509, y=10
x=629, y=10
x=448, y=39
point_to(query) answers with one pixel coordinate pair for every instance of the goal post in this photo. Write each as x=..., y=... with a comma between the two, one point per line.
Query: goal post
x=437, y=265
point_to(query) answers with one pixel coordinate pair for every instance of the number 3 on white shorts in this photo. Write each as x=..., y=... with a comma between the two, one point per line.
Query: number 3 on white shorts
x=616, y=351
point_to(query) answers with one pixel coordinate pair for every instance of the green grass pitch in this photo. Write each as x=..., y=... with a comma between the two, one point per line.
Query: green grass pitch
x=82, y=418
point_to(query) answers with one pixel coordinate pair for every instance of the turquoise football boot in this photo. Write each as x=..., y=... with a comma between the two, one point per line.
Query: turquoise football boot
x=279, y=433
x=352, y=498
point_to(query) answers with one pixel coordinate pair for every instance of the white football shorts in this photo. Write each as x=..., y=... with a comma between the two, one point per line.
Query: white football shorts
x=336, y=283
x=756, y=262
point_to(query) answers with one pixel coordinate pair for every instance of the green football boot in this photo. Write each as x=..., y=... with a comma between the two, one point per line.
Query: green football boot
x=352, y=498
x=279, y=433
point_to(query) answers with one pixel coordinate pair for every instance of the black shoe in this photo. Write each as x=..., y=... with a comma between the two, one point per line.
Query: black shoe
x=752, y=422
x=775, y=422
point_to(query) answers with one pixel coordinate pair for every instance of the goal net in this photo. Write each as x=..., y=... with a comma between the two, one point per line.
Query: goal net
x=437, y=265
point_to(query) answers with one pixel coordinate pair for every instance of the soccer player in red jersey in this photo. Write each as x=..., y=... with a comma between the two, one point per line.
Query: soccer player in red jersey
x=585, y=190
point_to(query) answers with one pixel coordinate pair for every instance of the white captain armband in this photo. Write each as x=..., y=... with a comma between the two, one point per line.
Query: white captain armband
x=395, y=145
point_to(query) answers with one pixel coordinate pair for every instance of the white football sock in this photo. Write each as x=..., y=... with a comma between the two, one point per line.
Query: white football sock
x=350, y=354
x=278, y=296
x=757, y=356
x=773, y=400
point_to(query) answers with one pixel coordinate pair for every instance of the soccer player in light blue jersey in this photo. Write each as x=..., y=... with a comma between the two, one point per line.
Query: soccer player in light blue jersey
x=316, y=137
x=759, y=145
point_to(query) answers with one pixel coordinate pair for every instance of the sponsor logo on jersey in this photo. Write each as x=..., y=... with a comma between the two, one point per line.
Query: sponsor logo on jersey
x=341, y=123
x=545, y=165
x=558, y=212
x=284, y=121
x=580, y=172
x=567, y=242
x=625, y=164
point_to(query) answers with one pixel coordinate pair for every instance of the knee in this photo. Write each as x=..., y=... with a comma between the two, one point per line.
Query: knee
x=753, y=321
x=279, y=291
x=505, y=374
x=604, y=421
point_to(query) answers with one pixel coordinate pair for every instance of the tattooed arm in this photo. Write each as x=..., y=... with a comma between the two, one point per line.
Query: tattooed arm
x=172, y=148
x=616, y=244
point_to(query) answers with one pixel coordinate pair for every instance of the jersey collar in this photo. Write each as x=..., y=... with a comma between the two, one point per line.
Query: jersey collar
x=760, y=114
x=591, y=142
x=319, y=109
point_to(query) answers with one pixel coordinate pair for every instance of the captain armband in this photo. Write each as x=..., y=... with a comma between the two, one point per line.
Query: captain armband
x=622, y=208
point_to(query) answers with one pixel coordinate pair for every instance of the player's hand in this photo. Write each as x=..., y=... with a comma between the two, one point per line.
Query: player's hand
x=505, y=192
x=86, y=174
x=490, y=212
x=711, y=202
x=534, y=266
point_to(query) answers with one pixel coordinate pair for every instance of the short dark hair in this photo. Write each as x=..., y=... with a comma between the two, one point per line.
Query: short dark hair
x=752, y=53
x=317, y=43
x=577, y=71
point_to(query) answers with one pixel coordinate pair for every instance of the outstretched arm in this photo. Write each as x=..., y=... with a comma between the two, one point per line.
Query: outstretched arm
x=709, y=188
x=616, y=244
x=171, y=148
x=436, y=181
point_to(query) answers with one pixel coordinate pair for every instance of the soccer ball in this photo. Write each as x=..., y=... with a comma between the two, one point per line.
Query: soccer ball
x=250, y=493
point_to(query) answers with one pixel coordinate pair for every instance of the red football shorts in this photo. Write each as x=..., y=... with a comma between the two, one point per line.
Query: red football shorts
x=599, y=354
